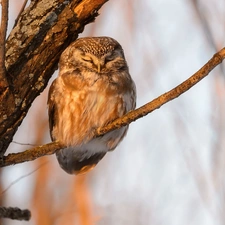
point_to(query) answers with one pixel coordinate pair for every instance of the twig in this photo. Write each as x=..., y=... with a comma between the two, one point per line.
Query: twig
x=20, y=143
x=20, y=178
x=15, y=213
x=3, y=31
x=21, y=10
x=201, y=14
x=51, y=148
x=31, y=154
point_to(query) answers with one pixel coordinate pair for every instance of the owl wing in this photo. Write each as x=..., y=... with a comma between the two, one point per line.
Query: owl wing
x=52, y=109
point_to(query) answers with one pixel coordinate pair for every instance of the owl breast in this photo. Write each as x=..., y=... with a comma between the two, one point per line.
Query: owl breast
x=82, y=110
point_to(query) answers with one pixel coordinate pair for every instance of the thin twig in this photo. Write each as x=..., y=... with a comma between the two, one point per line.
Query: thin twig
x=20, y=143
x=51, y=148
x=21, y=10
x=15, y=213
x=202, y=15
x=20, y=178
x=3, y=31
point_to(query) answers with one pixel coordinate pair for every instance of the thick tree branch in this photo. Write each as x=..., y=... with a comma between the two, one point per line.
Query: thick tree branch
x=51, y=148
x=43, y=30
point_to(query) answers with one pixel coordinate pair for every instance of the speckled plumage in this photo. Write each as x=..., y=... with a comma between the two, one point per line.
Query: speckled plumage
x=97, y=46
x=93, y=88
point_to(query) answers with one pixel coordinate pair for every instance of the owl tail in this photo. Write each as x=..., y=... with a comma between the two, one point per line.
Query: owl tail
x=77, y=162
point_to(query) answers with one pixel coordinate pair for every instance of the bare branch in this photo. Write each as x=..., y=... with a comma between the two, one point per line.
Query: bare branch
x=51, y=148
x=3, y=31
x=15, y=213
x=31, y=154
x=164, y=98
x=206, y=27
x=21, y=10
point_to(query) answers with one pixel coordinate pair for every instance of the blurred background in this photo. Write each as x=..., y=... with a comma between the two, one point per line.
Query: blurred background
x=169, y=170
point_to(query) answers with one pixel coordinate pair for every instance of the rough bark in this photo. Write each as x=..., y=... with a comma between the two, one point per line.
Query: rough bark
x=43, y=31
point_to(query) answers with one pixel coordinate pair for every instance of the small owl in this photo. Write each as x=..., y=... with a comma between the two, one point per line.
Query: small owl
x=93, y=88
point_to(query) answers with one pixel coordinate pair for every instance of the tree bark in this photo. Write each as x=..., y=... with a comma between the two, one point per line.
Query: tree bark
x=42, y=32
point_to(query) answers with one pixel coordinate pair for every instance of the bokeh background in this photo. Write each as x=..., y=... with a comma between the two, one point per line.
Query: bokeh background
x=170, y=168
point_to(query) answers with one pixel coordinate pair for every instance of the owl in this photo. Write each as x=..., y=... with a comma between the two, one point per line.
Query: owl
x=93, y=88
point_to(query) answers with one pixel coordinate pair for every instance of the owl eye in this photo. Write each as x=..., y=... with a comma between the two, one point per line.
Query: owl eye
x=109, y=58
x=88, y=60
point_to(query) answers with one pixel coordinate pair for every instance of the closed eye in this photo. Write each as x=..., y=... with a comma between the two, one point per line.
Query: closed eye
x=88, y=60
x=109, y=59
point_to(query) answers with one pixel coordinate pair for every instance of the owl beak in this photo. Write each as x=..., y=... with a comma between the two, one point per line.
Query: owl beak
x=100, y=64
x=99, y=67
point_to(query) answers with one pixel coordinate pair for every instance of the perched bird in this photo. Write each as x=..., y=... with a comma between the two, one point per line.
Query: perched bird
x=93, y=88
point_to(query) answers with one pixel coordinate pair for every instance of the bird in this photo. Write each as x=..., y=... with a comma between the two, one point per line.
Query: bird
x=92, y=89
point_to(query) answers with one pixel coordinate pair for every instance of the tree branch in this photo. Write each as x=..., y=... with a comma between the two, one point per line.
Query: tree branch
x=166, y=97
x=31, y=154
x=51, y=148
x=43, y=30
x=14, y=213
x=3, y=31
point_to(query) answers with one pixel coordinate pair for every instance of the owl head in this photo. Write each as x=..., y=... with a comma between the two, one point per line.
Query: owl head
x=97, y=54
